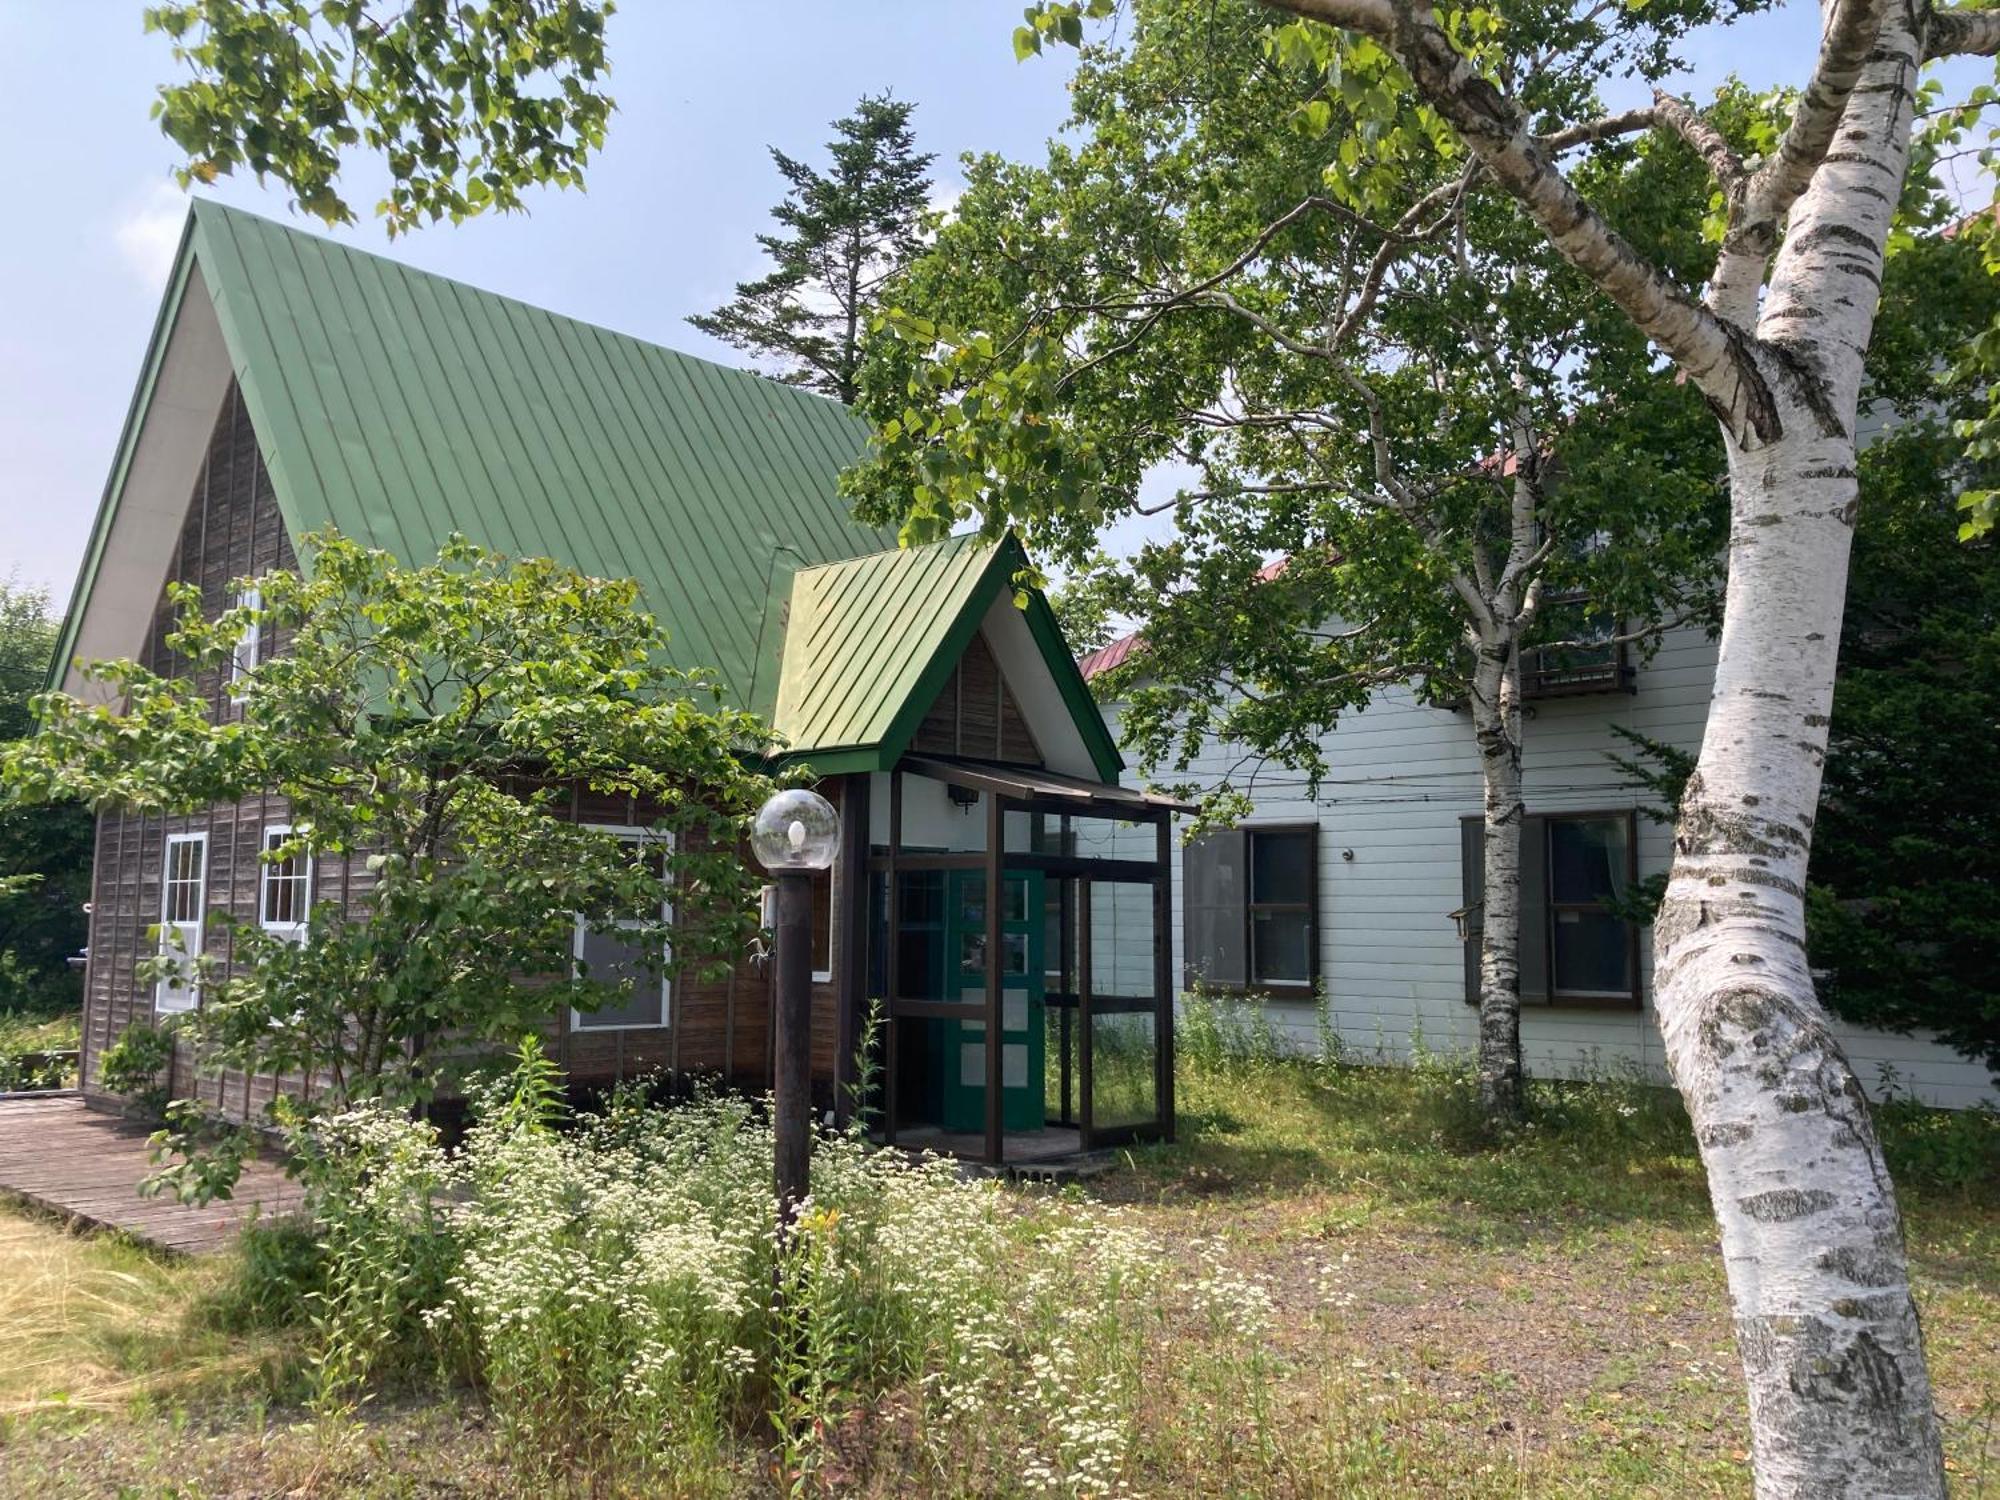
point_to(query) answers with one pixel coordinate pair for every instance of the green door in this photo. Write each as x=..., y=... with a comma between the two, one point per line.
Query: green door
x=961, y=1056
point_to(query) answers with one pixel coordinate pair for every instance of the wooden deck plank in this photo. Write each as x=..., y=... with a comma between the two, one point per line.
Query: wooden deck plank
x=60, y=1155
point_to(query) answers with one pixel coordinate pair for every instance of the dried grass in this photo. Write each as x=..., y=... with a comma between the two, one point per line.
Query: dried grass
x=93, y=1322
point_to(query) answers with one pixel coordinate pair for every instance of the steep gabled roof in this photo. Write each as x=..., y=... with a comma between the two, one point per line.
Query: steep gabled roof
x=870, y=641
x=402, y=406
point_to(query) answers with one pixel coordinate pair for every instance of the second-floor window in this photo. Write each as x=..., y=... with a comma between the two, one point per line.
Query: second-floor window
x=250, y=644
x=1588, y=657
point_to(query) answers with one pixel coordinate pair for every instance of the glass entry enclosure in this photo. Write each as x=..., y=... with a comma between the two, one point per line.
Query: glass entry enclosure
x=1068, y=970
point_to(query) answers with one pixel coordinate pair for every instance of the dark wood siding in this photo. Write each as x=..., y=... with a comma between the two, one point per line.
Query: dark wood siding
x=719, y=1027
x=975, y=714
x=233, y=530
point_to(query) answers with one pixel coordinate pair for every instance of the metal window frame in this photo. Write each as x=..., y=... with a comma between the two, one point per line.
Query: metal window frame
x=1251, y=906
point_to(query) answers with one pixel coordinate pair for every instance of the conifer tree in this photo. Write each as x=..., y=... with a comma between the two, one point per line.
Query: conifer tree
x=844, y=232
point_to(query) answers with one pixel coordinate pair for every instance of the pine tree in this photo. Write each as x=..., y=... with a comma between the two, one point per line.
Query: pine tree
x=845, y=232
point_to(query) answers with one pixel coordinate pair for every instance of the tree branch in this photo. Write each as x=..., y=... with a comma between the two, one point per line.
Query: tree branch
x=1960, y=32
x=1496, y=131
x=1606, y=128
x=1709, y=143
x=1846, y=40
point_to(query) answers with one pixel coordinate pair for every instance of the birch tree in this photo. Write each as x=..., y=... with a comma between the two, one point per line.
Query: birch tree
x=1773, y=338
x=472, y=106
x=1414, y=403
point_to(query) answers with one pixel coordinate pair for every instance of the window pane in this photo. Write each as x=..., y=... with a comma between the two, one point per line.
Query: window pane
x=1280, y=866
x=1121, y=938
x=612, y=958
x=1279, y=947
x=1593, y=954
x=1586, y=859
x=921, y=898
x=181, y=900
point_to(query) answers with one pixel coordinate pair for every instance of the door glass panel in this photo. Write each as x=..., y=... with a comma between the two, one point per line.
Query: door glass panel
x=1123, y=1051
x=972, y=951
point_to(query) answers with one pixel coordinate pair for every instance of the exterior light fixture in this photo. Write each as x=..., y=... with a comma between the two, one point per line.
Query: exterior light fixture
x=796, y=830
x=794, y=834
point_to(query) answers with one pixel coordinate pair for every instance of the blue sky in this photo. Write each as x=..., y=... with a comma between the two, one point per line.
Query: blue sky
x=666, y=228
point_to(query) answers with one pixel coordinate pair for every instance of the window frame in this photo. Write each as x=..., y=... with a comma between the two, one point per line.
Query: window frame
x=294, y=930
x=1541, y=680
x=248, y=651
x=1474, y=911
x=1592, y=999
x=164, y=986
x=1275, y=989
x=579, y=1021
x=1252, y=906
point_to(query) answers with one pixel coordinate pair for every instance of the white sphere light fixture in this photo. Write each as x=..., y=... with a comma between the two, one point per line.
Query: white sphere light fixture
x=795, y=830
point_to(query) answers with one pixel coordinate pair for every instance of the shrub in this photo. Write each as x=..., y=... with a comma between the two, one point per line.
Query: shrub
x=135, y=1066
x=617, y=1287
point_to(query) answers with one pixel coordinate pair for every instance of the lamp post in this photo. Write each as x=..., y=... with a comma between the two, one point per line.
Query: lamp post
x=795, y=833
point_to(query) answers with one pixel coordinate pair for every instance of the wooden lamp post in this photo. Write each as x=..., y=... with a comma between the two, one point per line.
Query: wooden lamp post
x=796, y=833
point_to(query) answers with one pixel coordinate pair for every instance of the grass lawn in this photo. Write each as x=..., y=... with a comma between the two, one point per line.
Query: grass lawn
x=1546, y=1318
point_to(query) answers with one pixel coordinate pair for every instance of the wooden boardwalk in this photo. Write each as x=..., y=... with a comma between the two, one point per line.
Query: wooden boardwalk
x=59, y=1154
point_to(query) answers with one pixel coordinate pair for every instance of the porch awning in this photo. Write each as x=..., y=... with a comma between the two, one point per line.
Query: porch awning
x=1103, y=799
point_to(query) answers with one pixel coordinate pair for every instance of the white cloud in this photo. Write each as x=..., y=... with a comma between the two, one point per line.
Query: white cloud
x=149, y=231
x=944, y=198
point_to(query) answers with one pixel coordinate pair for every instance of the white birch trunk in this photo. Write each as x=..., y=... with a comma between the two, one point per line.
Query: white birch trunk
x=1496, y=718
x=1840, y=1400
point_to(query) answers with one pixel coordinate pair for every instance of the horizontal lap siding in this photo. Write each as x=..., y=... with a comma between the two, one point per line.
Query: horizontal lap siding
x=1402, y=776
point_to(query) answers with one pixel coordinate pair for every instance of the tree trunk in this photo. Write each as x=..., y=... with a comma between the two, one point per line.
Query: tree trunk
x=1840, y=1400
x=1496, y=719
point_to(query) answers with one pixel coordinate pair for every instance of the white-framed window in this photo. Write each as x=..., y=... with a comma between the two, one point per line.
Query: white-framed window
x=605, y=953
x=284, y=886
x=183, y=910
x=250, y=644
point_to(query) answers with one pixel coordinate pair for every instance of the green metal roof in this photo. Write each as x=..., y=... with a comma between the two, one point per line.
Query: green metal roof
x=401, y=406
x=870, y=642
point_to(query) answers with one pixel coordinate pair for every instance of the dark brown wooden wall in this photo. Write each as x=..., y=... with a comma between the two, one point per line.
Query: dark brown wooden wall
x=975, y=714
x=234, y=530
